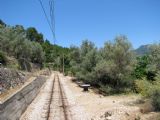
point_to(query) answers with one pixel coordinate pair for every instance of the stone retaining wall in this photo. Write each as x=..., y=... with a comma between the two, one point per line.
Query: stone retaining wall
x=15, y=105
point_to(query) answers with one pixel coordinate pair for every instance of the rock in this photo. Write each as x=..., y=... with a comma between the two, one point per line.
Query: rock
x=107, y=114
x=127, y=114
x=101, y=116
x=108, y=118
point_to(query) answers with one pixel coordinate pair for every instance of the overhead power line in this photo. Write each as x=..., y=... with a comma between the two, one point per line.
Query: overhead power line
x=52, y=10
x=52, y=23
x=52, y=14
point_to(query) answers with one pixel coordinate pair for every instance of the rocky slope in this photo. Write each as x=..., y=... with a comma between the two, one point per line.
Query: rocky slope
x=10, y=78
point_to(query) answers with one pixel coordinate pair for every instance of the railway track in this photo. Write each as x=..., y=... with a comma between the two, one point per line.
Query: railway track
x=51, y=103
x=57, y=104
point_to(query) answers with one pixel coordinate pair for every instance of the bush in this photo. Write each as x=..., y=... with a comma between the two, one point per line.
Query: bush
x=150, y=90
x=37, y=56
x=106, y=90
x=143, y=87
x=140, y=70
x=156, y=99
x=3, y=58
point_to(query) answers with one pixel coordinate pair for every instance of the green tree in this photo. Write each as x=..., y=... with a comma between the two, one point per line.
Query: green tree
x=155, y=56
x=84, y=59
x=140, y=70
x=13, y=42
x=7, y=36
x=148, y=65
x=86, y=47
x=116, y=66
x=33, y=35
x=38, y=56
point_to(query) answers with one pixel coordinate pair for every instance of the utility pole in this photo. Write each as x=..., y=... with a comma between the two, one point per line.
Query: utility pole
x=63, y=64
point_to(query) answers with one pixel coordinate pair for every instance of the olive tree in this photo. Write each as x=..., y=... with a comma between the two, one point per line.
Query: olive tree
x=116, y=65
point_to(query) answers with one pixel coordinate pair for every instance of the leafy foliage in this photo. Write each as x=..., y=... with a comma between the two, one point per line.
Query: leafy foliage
x=3, y=59
x=149, y=89
x=84, y=59
x=55, y=54
x=38, y=56
x=148, y=65
x=33, y=35
x=110, y=66
x=143, y=87
x=156, y=99
x=155, y=56
x=141, y=66
x=118, y=60
x=13, y=42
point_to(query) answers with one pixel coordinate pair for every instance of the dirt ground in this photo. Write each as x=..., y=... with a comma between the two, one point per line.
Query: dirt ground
x=121, y=107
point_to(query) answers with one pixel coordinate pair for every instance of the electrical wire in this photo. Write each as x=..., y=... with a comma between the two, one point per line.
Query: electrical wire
x=52, y=24
x=52, y=15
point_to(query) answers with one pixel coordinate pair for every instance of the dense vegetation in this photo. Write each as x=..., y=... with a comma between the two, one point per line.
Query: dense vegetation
x=147, y=72
x=28, y=47
x=114, y=68
x=109, y=67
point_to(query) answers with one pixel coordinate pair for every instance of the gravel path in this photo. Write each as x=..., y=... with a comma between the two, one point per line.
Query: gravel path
x=118, y=107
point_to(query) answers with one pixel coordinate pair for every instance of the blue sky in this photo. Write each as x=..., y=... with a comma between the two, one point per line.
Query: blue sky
x=96, y=20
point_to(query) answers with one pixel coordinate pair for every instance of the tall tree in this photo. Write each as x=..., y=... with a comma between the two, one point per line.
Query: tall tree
x=33, y=35
x=117, y=62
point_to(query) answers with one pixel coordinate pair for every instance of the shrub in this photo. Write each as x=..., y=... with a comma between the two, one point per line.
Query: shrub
x=150, y=89
x=3, y=58
x=143, y=87
x=156, y=99
x=107, y=90
x=140, y=70
x=37, y=55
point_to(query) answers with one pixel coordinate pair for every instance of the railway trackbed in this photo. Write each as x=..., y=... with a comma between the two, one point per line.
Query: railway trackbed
x=58, y=105
x=50, y=104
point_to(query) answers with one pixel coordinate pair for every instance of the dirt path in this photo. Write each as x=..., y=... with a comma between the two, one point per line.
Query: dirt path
x=122, y=107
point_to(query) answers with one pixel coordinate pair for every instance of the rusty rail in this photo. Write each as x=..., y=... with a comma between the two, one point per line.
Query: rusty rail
x=63, y=102
x=63, y=98
x=50, y=101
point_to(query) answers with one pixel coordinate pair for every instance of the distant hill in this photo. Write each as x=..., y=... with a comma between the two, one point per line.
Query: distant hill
x=142, y=50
